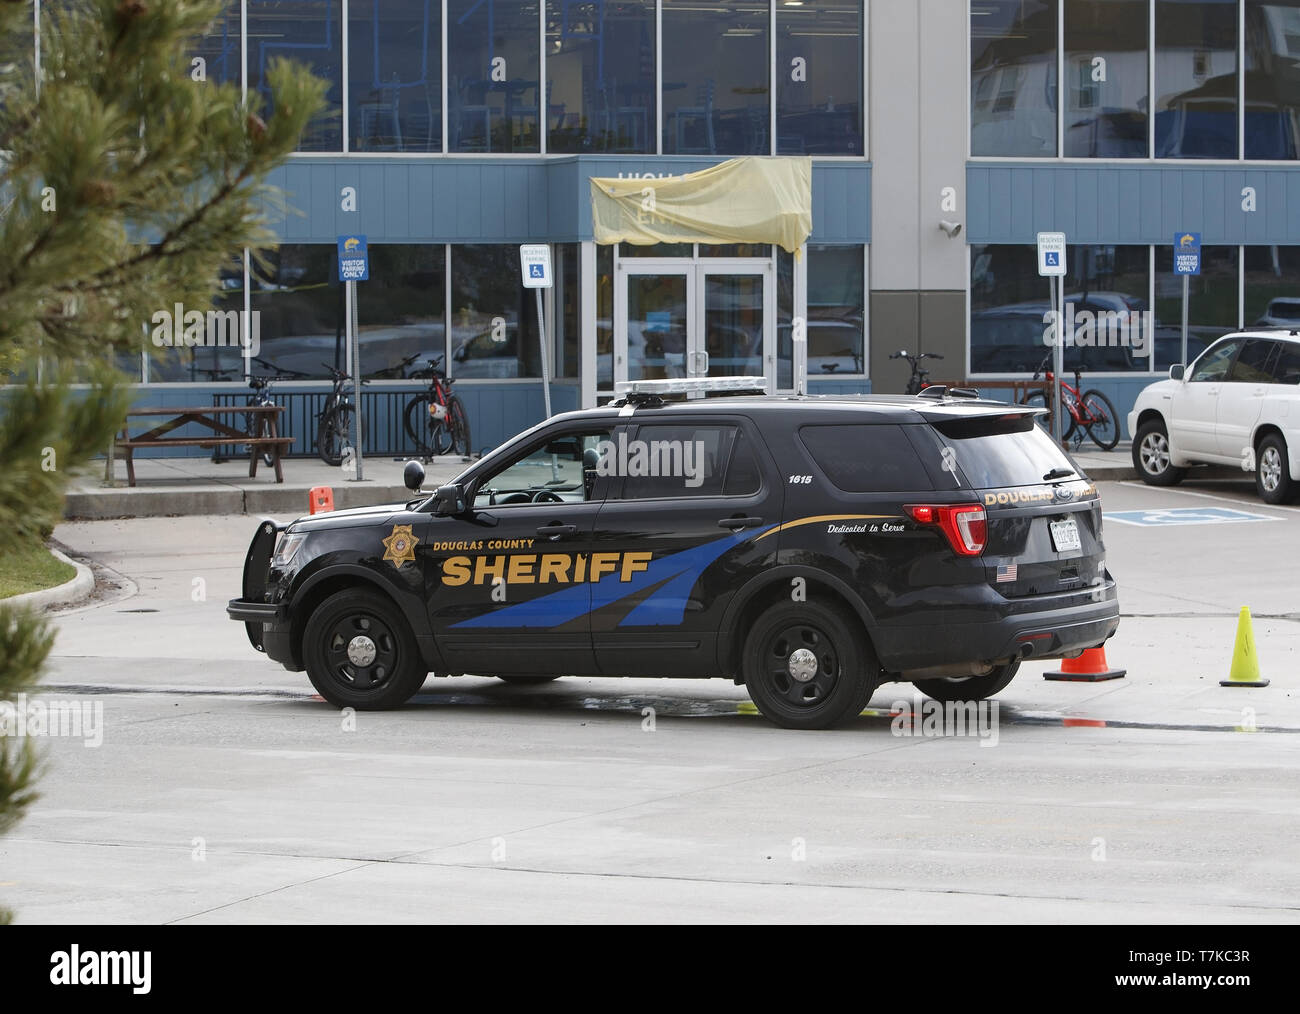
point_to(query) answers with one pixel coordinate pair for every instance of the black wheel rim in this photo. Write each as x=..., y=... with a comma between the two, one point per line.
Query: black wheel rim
x=802, y=666
x=361, y=652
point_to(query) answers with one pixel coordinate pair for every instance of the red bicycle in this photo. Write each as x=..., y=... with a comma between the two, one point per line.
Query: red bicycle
x=1090, y=413
x=435, y=420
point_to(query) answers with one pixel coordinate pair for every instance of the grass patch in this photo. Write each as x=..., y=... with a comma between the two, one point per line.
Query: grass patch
x=31, y=568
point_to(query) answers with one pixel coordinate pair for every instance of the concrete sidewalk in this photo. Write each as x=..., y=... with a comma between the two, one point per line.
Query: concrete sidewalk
x=186, y=486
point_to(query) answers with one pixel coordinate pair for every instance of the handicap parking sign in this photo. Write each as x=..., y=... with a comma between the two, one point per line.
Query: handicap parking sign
x=1157, y=517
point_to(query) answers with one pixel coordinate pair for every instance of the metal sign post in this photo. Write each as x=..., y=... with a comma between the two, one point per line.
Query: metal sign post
x=1187, y=262
x=1051, y=265
x=354, y=266
x=535, y=267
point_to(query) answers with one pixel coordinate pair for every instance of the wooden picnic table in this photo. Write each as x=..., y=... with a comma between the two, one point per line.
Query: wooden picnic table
x=265, y=419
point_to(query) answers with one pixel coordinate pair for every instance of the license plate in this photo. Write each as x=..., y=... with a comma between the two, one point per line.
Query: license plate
x=1065, y=535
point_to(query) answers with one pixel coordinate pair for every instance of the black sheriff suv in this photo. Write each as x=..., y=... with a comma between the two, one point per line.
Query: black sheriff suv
x=811, y=548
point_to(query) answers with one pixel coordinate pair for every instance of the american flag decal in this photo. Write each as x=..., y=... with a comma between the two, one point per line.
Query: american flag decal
x=1007, y=572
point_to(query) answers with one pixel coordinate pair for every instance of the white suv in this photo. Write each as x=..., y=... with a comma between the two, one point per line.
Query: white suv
x=1237, y=404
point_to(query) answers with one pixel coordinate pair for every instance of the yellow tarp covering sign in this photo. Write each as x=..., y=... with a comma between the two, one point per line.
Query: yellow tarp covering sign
x=742, y=200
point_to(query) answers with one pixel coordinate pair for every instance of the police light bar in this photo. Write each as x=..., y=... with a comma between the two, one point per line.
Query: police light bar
x=690, y=385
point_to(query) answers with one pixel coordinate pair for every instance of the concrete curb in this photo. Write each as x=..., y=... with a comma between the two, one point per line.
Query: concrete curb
x=80, y=587
x=224, y=500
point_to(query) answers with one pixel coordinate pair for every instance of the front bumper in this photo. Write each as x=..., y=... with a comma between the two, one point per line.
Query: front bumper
x=268, y=627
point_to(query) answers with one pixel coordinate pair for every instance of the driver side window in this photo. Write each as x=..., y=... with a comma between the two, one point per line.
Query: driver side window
x=560, y=469
x=1213, y=366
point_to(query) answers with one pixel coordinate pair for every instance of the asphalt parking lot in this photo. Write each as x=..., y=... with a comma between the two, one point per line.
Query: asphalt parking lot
x=223, y=791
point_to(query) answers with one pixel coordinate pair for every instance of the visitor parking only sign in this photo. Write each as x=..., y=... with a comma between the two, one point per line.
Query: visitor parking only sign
x=354, y=259
x=1187, y=253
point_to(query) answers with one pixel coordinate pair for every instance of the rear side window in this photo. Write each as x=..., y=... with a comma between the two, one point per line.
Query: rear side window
x=1254, y=365
x=860, y=458
x=995, y=451
x=672, y=461
x=1286, y=368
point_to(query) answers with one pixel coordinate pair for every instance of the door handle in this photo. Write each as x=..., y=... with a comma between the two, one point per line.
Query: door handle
x=556, y=530
x=738, y=524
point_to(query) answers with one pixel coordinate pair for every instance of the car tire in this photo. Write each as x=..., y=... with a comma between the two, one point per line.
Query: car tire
x=1151, y=455
x=969, y=688
x=808, y=665
x=346, y=628
x=1273, y=479
x=526, y=680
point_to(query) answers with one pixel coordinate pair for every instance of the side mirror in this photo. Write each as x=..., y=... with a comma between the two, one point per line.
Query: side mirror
x=1176, y=371
x=413, y=476
x=449, y=499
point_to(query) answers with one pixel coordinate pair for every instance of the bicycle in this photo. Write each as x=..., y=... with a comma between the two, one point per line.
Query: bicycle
x=1090, y=410
x=435, y=419
x=334, y=426
x=255, y=423
x=918, y=380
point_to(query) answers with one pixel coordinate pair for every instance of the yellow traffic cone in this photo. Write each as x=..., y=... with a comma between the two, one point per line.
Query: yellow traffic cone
x=1245, y=663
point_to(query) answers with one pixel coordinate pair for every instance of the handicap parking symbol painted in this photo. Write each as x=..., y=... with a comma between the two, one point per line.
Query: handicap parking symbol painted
x=1185, y=516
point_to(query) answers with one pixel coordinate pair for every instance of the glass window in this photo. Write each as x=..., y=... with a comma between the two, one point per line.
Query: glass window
x=1009, y=307
x=219, y=47
x=493, y=58
x=835, y=311
x=558, y=469
x=400, y=310
x=220, y=357
x=1106, y=308
x=1211, y=303
x=819, y=78
x=395, y=75
x=1286, y=368
x=1255, y=363
x=1272, y=287
x=715, y=77
x=995, y=452
x=1272, y=84
x=744, y=476
x=1213, y=366
x=679, y=461
x=493, y=320
x=600, y=69
x=1013, y=77
x=307, y=31
x=860, y=458
x=1105, y=317
x=298, y=304
x=1196, y=78
x=1106, y=78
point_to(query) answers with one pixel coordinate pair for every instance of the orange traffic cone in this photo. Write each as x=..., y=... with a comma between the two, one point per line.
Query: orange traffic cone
x=1090, y=667
x=320, y=500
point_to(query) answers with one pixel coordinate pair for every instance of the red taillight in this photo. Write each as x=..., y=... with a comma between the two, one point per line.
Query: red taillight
x=965, y=524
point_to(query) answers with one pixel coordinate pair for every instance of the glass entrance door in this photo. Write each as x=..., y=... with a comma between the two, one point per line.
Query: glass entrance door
x=675, y=318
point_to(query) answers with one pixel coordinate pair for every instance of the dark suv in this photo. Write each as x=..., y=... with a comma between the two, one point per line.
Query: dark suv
x=810, y=548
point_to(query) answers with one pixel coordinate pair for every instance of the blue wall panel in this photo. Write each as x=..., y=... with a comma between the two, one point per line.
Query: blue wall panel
x=508, y=200
x=1146, y=203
